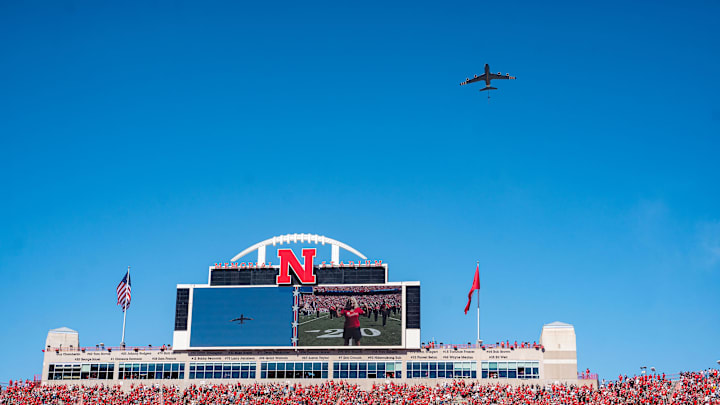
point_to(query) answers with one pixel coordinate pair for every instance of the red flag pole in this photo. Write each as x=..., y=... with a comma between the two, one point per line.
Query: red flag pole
x=478, y=307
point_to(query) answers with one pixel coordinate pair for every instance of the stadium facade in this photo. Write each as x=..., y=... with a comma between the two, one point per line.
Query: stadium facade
x=307, y=320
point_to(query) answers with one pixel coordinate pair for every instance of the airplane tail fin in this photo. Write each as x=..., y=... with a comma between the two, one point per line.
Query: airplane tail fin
x=489, y=88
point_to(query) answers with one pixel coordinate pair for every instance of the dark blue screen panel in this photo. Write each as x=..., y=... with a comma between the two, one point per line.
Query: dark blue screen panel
x=214, y=308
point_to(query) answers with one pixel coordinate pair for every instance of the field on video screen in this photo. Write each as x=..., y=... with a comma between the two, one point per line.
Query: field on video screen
x=321, y=322
x=323, y=331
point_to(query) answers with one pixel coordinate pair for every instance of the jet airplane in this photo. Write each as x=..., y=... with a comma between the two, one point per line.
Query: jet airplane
x=487, y=77
x=242, y=319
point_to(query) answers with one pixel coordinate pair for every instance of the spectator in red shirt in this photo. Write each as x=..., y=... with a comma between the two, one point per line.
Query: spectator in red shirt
x=352, y=314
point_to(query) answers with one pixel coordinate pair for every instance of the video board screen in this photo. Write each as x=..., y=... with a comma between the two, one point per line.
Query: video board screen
x=350, y=316
x=228, y=317
x=300, y=316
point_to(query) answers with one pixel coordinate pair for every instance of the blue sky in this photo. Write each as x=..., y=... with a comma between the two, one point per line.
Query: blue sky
x=171, y=135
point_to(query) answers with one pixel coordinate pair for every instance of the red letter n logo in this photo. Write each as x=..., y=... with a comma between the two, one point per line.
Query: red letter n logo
x=288, y=260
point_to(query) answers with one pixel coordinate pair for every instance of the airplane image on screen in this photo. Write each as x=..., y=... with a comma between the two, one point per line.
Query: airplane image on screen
x=242, y=319
x=487, y=77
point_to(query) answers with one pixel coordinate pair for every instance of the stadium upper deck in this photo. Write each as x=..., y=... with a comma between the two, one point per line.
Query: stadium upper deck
x=332, y=321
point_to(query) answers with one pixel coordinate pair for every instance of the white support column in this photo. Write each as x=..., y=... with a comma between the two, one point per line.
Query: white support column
x=335, y=254
x=261, y=255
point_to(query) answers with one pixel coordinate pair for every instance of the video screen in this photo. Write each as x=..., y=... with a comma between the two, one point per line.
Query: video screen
x=350, y=316
x=296, y=316
x=232, y=317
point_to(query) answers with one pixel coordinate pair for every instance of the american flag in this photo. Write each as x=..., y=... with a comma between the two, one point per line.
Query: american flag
x=123, y=292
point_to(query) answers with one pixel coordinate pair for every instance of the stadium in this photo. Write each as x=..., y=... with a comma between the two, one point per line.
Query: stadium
x=314, y=331
x=191, y=140
x=259, y=322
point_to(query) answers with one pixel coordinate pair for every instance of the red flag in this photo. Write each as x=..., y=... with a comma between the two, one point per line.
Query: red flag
x=475, y=286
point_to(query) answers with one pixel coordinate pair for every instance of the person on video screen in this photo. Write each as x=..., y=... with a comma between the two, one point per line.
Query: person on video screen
x=385, y=310
x=352, y=312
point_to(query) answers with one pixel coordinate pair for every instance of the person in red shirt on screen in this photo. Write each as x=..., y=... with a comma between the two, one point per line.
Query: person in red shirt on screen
x=352, y=314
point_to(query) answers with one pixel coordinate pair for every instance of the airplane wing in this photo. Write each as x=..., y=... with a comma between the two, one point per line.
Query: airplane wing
x=507, y=76
x=474, y=79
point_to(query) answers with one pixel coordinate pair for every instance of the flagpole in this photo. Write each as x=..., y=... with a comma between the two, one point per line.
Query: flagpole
x=478, y=307
x=122, y=342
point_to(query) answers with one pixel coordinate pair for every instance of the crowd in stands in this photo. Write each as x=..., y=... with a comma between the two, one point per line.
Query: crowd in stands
x=363, y=289
x=698, y=388
x=502, y=345
x=692, y=388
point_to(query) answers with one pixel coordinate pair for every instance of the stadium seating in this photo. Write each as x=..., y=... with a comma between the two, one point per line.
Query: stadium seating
x=688, y=388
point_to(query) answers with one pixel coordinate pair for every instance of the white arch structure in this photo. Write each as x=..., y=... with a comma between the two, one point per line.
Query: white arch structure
x=299, y=238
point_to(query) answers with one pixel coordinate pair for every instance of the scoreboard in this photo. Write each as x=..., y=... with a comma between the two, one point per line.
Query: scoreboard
x=320, y=316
